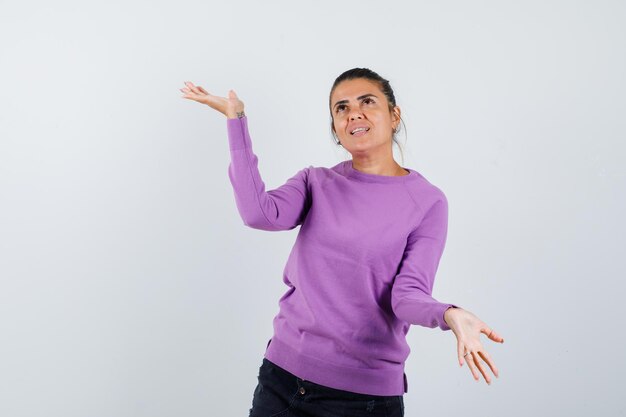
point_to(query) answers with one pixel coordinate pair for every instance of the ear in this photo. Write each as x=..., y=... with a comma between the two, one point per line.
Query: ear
x=396, y=116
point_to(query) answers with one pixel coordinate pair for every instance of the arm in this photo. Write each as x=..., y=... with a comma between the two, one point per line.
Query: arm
x=283, y=208
x=411, y=294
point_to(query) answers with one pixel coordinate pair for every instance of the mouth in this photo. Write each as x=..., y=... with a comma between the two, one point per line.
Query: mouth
x=360, y=131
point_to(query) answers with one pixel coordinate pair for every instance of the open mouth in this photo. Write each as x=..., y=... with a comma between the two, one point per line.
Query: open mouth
x=360, y=131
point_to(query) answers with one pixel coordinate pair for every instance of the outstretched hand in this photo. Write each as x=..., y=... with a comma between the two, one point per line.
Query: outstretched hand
x=467, y=329
x=229, y=106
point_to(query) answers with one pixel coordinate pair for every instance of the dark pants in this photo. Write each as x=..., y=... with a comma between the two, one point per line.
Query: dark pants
x=279, y=393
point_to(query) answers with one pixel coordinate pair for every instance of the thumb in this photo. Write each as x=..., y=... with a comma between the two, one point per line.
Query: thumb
x=231, y=94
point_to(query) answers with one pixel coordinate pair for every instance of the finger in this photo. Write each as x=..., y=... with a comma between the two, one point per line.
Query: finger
x=470, y=363
x=192, y=87
x=459, y=353
x=203, y=90
x=492, y=334
x=481, y=368
x=189, y=94
x=489, y=362
x=186, y=93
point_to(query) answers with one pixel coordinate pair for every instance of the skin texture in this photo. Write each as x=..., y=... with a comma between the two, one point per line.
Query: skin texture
x=372, y=154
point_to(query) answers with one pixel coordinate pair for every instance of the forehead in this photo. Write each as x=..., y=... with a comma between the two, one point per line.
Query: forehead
x=349, y=89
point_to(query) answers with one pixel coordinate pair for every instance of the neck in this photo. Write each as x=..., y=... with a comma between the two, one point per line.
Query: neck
x=387, y=168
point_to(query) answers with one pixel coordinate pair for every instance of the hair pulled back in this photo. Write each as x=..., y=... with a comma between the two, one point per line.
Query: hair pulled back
x=384, y=86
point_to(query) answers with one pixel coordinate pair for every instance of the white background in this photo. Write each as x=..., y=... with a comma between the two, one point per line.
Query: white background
x=130, y=287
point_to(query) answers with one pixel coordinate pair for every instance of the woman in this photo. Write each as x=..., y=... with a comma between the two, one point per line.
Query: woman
x=362, y=267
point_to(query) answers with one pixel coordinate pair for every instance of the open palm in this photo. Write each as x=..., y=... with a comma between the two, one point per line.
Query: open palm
x=228, y=106
x=467, y=328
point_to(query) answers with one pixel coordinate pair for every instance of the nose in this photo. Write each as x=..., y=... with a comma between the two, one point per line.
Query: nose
x=355, y=115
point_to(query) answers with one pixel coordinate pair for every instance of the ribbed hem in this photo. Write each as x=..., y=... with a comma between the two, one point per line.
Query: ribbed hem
x=390, y=381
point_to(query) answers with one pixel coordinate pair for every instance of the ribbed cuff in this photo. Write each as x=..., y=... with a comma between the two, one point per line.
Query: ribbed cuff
x=238, y=136
x=444, y=325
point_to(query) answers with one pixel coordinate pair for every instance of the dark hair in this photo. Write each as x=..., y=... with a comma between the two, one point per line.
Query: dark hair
x=384, y=86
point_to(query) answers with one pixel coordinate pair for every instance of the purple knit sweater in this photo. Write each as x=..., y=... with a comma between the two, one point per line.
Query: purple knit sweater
x=361, y=270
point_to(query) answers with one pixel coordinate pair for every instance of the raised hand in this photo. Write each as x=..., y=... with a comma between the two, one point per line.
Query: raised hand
x=230, y=106
x=467, y=329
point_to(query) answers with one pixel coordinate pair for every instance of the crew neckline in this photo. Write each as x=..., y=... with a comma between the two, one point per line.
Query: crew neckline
x=363, y=176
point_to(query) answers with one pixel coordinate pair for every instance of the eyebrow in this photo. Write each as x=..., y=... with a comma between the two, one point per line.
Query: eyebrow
x=358, y=98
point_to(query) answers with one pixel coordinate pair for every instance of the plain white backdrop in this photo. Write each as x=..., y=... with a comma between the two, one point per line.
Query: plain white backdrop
x=129, y=286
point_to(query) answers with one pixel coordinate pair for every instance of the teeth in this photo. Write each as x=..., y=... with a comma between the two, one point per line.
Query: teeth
x=358, y=129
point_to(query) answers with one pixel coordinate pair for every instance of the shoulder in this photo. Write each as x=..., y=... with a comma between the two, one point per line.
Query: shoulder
x=425, y=193
x=320, y=173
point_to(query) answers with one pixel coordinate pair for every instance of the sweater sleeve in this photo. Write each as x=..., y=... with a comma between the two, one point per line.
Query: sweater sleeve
x=411, y=294
x=283, y=208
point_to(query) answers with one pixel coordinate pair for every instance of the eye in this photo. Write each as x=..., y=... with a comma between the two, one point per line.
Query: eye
x=339, y=107
x=368, y=99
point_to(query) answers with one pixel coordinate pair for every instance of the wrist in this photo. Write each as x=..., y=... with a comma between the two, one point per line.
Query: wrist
x=236, y=114
x=447, y=315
